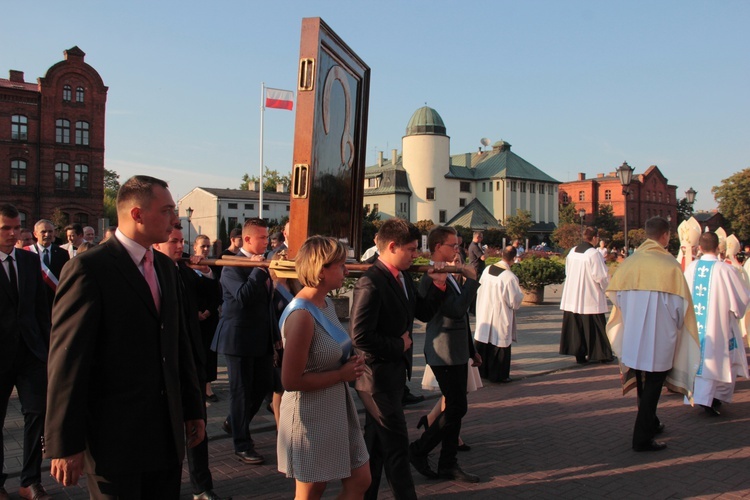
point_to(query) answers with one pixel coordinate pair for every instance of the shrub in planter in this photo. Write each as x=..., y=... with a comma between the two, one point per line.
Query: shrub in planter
x=534, y=273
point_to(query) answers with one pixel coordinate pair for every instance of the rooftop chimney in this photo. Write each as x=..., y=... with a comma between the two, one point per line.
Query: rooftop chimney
x=380, y=158
x=581, y=176
x=599, y=176
x=468, y=160
x=16, y=76
x=394, y=156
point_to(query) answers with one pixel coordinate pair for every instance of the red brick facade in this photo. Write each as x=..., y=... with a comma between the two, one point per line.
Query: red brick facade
x=52, y=142
x=650, y=195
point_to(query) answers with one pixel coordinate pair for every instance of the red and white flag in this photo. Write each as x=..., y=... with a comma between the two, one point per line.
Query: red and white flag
x=279, y=99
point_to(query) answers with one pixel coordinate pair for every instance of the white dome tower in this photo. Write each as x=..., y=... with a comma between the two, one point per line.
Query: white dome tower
x=426, y=158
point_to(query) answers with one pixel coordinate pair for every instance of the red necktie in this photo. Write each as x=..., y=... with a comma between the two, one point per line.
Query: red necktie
x=150, y=274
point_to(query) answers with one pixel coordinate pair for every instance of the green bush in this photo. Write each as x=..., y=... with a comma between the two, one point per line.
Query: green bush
x=538, y=272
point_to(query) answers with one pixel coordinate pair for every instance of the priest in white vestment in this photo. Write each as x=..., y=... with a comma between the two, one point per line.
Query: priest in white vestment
x=720, y=300
x=584, y=303
x=497, y=301
x=652, y=329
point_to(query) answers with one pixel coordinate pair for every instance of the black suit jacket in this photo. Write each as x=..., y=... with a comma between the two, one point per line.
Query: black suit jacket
x=121, y=376
x=26, y=319
x=246, y=325
x=380, y=315
x=58, y=258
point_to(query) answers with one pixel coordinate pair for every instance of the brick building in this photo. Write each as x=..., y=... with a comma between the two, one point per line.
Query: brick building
x=650, y=195
x=52, y=141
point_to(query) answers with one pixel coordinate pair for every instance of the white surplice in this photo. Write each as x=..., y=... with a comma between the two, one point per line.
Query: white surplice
x=586, y=280
x=497, y=300
x=651, y=324
x=728, y=301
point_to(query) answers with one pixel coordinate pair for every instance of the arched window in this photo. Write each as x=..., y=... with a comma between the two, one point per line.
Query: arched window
x=82, y=133
x=17, y=173
x=62, y=175
x=67, y=92
x=19, y=127
x=79, y=94
x=81, y=176
x=581, y=195
x=62, y=131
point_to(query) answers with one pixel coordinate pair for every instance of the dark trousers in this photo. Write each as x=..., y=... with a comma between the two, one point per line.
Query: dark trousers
x=156, y=485
x=447, y=427
x=197, y=457
x=29, y=375
x=387, y=442
x=648, y=385
x=250, y=379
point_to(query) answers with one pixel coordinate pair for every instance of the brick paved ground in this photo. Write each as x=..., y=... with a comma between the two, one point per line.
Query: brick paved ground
x=559, y=431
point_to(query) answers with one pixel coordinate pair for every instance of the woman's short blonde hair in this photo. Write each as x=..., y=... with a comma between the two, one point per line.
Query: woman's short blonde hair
x=316, y=253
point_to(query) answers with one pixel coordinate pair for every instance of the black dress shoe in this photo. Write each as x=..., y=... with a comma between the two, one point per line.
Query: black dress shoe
x=659, y=428
x=251, y=457
x=213, y=398
x=423, y=423
x=411, y=399
x=712, y=410
x=463, y=447
x=455, y=473
x=506, y=380
x=651, y=446
x=226, y=427
x=209, y=495
x=421, y=463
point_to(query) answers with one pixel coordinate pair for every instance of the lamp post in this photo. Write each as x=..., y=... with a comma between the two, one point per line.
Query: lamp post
x=625, y=174
x=690, y=195
x=189, y=213
x=582, y=214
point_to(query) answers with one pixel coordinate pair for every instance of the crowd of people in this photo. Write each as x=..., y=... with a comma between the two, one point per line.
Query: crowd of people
x=104, y=341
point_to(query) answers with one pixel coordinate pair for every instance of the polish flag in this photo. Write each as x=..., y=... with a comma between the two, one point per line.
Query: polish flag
x=279, y=99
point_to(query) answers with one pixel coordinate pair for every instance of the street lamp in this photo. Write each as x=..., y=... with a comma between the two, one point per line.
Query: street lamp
x=690, y=195
x=582, y=214
x=625, y=174
x=189, y=213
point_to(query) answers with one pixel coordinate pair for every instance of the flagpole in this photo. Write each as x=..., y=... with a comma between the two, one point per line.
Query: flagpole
x=262, y=113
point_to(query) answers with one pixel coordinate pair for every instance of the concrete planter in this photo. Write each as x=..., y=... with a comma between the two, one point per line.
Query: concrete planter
x=534, y=295
x=341, y=304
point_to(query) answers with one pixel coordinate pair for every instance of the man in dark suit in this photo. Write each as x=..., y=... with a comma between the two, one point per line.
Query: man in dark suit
x=74, y=235
x=448, y=347
x=246, y=337
x=24, y=342
x=123, y=393
x=382, y=318
x=52, y=258
x=189, y=281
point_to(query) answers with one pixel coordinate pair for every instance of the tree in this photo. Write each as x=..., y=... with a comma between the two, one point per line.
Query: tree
x=111, y=187
x=516, y=226
x=59, y=220
x=223, y=236
x=270, y=179
x=684, y=210
x=605, y=220
x=424, y=226
x=733, y=197
x=567, y=235
x=568, y=214
x=370, y=226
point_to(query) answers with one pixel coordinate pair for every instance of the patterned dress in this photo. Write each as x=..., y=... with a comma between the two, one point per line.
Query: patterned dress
x=319, y=434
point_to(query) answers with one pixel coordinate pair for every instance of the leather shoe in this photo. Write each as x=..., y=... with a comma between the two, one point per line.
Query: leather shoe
x=33, y=492
x=651, y=446
x=463, y=447
x=455, y=473
x=660, y=428
x=226, y=427
x=251, y=457
x=209, y=495
x=411, y=399
x=4, y=494
x=421, y=463
x=506, y=380
x=213, y=398
x=711, y=410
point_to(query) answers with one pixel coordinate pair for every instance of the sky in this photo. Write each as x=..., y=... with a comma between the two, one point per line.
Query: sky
x=574, y=86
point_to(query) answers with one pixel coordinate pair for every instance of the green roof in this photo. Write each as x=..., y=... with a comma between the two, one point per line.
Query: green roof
x=475, y=216
x=493, y=165
x=425, y=120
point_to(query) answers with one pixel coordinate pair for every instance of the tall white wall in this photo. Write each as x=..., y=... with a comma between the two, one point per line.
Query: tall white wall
x=426, y=159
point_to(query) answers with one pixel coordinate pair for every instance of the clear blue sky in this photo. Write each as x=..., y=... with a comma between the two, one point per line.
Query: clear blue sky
x=574, y=86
